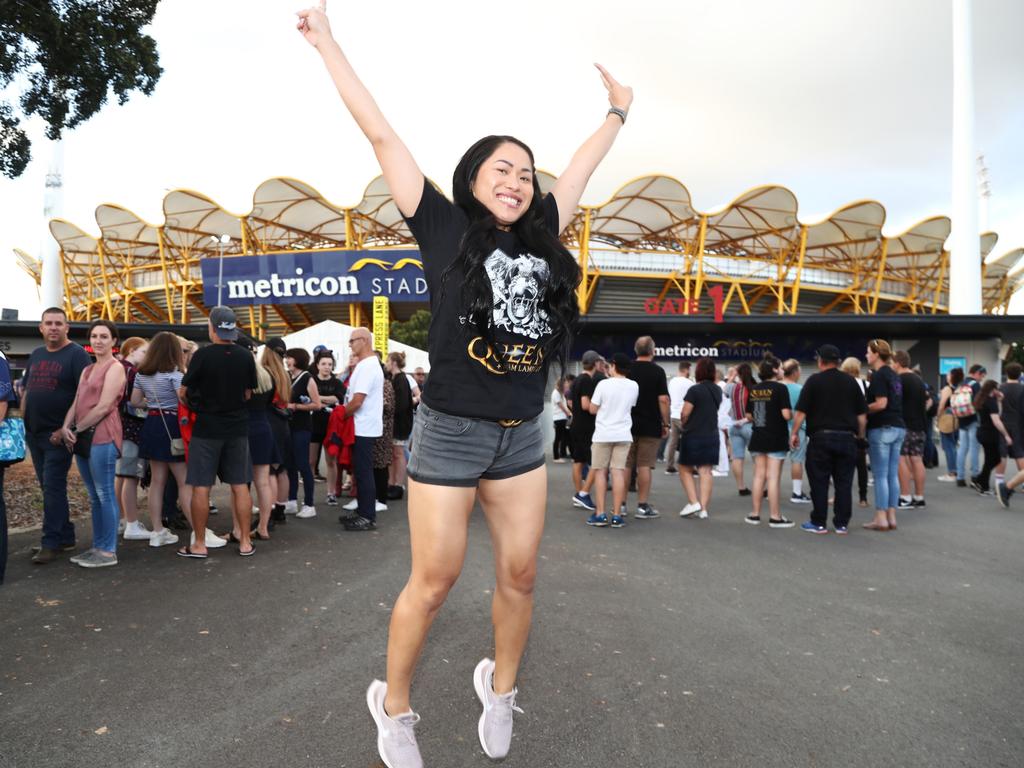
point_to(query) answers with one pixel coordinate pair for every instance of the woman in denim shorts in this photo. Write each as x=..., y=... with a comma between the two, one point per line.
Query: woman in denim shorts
x=502, y=294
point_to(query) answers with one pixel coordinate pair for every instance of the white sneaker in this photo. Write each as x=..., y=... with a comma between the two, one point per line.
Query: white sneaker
x=690, y=510
x=213, y=541
x=947, y=478
x=306, y=512
x=396, y=737
x=136, y=532
x=352, y=505
x=162, y=538
x=291, y=507
x=380, y=507
x=702, y=515
x=719, y=473
x=495, y=725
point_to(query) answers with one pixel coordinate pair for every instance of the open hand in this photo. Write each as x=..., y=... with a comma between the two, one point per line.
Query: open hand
x=313, y=24
x=619, y=95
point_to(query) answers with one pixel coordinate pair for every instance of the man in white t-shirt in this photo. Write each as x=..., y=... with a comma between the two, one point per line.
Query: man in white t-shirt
x=677, y=388
x=364, y=403
x=612, y=403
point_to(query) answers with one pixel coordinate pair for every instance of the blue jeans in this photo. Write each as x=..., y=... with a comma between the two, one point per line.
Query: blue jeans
x=884, y=445
x=52, y=463
x=949, y=443
x=968, y=443
x=299, y=465
x=98, y=475
x=362, y=468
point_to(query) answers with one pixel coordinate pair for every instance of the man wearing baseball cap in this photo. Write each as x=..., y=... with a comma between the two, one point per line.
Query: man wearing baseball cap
x=220, y=378
x=836, y=414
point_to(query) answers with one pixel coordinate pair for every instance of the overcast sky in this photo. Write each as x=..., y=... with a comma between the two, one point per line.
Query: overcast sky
x=837, y=100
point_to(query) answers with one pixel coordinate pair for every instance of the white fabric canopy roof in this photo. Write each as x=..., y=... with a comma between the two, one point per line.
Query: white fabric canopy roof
x=334, y=336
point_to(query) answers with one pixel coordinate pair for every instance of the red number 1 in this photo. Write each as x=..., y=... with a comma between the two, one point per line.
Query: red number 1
x=716, y=296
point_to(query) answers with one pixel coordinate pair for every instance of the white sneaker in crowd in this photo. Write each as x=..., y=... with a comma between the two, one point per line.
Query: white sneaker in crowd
x=291, y=507
x=380, y=507
x=136, y=532
x=352, y=505
x=213, y=541
x=690, y=510
x=162, y=538
x=306, y=512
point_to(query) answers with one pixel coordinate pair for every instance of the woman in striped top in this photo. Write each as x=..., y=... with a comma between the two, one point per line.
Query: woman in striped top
x=156, y=389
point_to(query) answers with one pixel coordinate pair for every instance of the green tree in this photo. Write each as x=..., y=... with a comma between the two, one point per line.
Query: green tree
x=414, y=330
x=64, y=57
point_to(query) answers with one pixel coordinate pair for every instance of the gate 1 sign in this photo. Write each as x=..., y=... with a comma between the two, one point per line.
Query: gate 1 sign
x=381, y=316
x=313, y=277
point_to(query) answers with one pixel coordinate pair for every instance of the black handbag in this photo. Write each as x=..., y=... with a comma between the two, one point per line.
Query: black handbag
x=83, y=442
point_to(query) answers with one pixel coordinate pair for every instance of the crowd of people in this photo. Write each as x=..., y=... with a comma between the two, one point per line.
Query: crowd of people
x=618, y=418
x=164, y=415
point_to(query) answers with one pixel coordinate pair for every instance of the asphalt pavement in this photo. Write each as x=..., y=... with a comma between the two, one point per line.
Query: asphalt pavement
x=669, y=642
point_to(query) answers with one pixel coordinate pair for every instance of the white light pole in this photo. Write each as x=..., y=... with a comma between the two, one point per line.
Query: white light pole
x=52, y=290
x=220, y=242
x=965, y=252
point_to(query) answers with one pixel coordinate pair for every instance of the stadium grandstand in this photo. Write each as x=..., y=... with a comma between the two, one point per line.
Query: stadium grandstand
x=646, y=250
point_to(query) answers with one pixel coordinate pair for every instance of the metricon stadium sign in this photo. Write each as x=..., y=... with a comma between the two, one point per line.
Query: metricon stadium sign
x=314, y=276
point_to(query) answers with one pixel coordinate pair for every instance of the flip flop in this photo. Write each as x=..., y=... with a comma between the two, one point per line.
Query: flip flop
x=876, y=527
x=258, y=536
x=187, y=552
x=250, y=553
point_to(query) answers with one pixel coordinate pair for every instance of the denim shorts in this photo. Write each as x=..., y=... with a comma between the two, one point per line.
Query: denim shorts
x=798, y=454
x=739, y=439
x=460, y=451
x=778, y=455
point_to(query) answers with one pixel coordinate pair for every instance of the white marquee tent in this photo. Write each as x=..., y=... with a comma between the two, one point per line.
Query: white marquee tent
x=334, y=336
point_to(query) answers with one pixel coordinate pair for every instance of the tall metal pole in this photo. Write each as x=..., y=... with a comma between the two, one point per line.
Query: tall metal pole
x=965, y=253
x=51, y=285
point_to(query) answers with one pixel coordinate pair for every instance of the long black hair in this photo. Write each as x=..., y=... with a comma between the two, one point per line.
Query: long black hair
x=478, y=243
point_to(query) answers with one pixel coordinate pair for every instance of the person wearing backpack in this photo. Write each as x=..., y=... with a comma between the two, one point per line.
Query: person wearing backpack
x=949, y=429
x=962, y=404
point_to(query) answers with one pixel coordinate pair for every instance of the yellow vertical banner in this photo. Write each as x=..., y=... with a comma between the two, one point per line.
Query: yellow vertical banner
x=381, y=324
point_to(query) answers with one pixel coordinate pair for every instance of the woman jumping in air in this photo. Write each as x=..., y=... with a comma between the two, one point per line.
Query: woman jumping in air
x=503, y=303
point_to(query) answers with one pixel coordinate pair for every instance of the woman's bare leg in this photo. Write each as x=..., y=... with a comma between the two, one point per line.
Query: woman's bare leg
x=438, y=525
x=706, y=481
x=514, y=509
x=686, y=478
x=157, y=480
x=760, y=480
x=184, y=489
x=264, y=494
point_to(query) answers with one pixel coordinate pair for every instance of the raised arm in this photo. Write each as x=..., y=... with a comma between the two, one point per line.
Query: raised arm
x=403, y=176
x=570, y=185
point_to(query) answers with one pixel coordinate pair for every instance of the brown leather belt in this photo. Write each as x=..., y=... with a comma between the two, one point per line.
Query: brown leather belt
x=510, y=423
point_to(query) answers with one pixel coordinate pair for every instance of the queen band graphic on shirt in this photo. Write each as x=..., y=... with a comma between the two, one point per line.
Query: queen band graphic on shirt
x=517, y=284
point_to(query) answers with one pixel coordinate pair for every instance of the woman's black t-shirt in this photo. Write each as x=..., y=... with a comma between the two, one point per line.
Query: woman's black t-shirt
x=705, y=396
x=464, y=379
x=986, y=429
x=300, y=421
x=326, y=387
x=885, y=382
x=765, y=403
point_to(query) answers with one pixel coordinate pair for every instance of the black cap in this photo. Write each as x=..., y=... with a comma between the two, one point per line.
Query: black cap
x=224, y=323
x=828, y=353
x=622, y=362
x=277, y=344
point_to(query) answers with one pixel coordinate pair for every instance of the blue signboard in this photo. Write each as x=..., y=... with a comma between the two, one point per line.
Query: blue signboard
x=947, y=364
x=722, y=344
x=313, y=277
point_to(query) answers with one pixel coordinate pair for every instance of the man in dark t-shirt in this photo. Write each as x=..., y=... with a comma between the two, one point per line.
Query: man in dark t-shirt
x=834, y=408
x=650, y=421
x=915, y=406
x=220, y=378
x=581, y=429
x=1013, y=394
x=51, y=380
